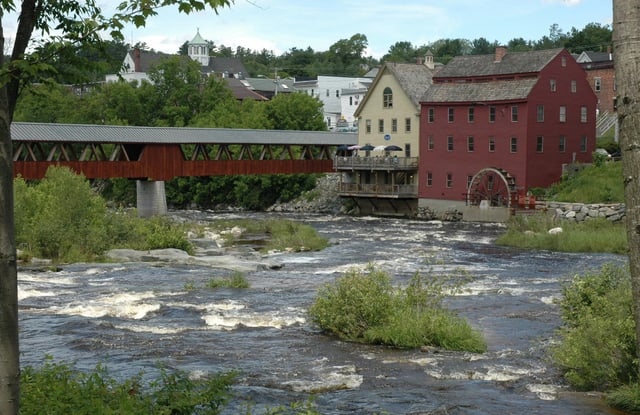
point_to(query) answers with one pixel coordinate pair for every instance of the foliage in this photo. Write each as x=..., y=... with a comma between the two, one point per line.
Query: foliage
x=597, y=348
x=62, y=389
x=365, y=307
x=594, y=235
x=595, y=184
x=253, y=192
x=237, y=280
x=62, y=218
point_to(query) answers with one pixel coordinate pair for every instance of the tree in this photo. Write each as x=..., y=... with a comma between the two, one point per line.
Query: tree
x=400, y=52
x=63, y=25
x=176, y=81
x=626, y=42
x=592, y=37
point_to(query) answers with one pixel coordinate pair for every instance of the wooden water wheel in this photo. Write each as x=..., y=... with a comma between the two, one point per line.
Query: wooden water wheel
x=494, y=185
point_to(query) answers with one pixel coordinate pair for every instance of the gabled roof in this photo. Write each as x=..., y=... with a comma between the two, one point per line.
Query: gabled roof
x=589, y=56
x=222, y=65
x=414, y=79
x=486, y=65
x=480, y=91
x=148, y=59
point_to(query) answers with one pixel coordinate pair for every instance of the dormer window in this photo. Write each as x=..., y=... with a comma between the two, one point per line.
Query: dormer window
x=387, y=98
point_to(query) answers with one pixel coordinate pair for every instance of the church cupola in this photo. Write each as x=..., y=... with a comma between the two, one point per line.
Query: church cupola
x=199, y=49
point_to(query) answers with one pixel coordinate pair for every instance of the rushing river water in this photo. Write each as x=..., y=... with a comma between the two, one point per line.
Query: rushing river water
x=135, y=316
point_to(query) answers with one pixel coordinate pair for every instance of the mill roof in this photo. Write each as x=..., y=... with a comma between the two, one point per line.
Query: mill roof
x=486, y=65
x=479, y=91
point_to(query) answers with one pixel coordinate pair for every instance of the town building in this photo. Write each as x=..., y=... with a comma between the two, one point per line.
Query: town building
x=138, y=63
x=329, y=90
x=600, y=71
x=495, y=126
x=379, y=174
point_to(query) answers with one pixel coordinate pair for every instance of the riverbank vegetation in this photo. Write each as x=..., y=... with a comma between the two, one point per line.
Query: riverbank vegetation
x=364, y=306
x=62, y=389
x=597, y=341
x=62, y=218
x=599, y=183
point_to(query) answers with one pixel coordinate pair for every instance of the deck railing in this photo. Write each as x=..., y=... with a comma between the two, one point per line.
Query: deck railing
x=375, y=163
x=378, y=190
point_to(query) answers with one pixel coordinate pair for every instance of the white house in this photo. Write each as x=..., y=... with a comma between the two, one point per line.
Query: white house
x=330, y=90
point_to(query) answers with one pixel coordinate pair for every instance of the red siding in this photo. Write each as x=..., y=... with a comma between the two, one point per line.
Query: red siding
x=530, y=167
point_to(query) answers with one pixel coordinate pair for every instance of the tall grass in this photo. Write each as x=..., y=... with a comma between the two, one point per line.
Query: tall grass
x=236, y=280
x=599, y=183
x=594, y=235
x=283, y=234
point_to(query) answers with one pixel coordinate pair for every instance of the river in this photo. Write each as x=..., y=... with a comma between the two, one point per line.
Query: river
x=133, y=317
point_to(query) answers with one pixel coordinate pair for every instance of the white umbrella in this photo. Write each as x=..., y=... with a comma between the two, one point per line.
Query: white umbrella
x=379, y=148
x=354, y=148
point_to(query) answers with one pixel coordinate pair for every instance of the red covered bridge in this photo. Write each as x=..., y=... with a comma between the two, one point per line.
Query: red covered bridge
x=152, y=155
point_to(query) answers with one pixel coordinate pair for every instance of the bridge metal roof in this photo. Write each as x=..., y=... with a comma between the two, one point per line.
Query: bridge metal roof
x=25, y=131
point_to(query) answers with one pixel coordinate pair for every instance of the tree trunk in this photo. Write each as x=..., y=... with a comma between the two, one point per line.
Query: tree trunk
x=626, y=43
x=9, y=348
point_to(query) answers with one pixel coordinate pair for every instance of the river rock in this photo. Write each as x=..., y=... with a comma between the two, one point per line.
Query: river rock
x=230, y=262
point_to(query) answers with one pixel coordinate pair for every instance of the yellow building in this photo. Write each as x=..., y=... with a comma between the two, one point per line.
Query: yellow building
x=390, y=111
x=379, y=175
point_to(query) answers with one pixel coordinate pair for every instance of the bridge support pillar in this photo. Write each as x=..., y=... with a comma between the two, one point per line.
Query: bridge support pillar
x=151, y=198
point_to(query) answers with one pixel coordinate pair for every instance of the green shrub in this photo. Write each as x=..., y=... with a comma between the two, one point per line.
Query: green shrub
x=63, y=390
x=365, y=307
x=62, y=218
x=597, y=348
x=356, y=303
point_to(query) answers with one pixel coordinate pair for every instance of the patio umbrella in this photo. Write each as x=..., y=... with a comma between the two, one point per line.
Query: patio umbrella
x=393, y=148
x=343, y=147
x=367, y=147
x=379, y=148
x=353, y=148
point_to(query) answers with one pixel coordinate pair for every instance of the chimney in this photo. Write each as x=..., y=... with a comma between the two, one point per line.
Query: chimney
x=500, y=52
x=609, y=52
x=136, y=60
x=419, y=60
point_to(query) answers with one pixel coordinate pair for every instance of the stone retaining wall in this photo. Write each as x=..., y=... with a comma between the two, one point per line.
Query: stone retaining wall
x=579, y=212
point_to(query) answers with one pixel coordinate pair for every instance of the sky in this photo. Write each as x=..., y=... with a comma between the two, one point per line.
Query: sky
x=280, y=25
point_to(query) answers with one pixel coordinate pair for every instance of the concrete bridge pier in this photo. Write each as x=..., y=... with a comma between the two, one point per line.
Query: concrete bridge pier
x=151, y=198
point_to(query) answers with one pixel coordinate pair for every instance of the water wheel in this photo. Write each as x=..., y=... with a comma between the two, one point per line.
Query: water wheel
x=494, y=185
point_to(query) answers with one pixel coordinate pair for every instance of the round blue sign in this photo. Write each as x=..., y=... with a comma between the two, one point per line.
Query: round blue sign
x=387, y=137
